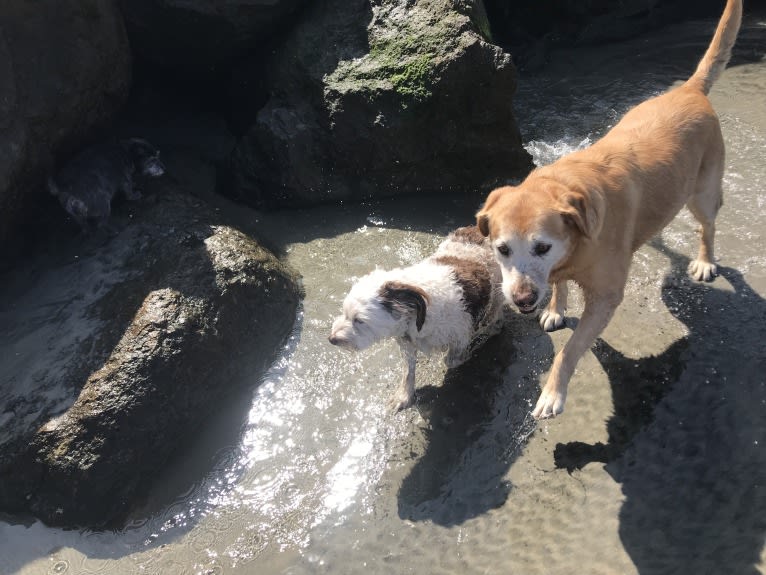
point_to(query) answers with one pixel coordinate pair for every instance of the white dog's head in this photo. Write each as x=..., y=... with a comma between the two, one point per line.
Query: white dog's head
x=378, y=307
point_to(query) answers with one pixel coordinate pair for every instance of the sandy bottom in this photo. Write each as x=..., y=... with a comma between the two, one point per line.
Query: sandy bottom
x=657, y=466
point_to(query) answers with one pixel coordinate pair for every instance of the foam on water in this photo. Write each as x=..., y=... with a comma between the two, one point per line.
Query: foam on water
x=544, y=153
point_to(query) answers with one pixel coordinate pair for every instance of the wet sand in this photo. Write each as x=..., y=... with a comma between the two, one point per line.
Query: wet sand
x=657, y=465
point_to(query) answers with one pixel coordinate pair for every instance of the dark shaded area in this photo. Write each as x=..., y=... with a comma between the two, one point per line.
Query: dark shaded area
x=686, y=439
x=212, y=58
x=234, y=90
x=64, y=76
x=637, y=387
x=515, y=23
x=196, y=35
x=750, y=46
x=529, y=30
x=477, y=421
x=695, y=482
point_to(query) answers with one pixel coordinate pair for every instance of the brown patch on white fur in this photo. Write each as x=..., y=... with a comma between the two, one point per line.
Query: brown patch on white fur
x=468, y=235
x=475, y=281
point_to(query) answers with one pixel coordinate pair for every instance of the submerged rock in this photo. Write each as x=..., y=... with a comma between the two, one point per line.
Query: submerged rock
x=379, y=99
x=111, y=360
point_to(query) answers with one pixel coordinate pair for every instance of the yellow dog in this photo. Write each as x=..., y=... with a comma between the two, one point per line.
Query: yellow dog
x=582, y=217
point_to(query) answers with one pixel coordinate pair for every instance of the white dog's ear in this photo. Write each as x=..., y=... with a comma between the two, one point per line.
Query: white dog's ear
x=584, y=210
x=404, y=299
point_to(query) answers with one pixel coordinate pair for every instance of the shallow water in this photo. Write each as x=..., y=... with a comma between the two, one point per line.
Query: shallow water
x=658, y=465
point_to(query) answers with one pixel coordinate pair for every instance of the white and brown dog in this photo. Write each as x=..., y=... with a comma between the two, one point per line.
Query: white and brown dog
x=583, y=217
x=450, y=302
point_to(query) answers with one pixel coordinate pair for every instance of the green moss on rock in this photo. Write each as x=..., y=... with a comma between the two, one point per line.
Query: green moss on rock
x=406, y=60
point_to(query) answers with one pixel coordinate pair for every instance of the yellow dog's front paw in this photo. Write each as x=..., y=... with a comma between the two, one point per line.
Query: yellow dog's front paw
x=702, y=271
x=550, y=404
x=551, y=320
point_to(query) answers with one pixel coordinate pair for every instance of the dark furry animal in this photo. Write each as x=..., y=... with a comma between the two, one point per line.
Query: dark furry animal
x=88, y=183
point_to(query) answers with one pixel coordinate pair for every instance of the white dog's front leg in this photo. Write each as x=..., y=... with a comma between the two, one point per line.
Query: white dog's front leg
x=406, y=392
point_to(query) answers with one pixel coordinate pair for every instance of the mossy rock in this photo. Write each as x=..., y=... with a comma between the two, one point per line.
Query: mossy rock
x=380, y=99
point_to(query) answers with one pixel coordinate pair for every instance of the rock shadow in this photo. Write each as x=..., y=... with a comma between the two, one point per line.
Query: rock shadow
x=476, y=424
x=686, y=440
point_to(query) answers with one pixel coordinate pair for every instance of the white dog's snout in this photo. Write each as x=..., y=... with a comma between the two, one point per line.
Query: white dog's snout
x=336, y=331
x=341, y=334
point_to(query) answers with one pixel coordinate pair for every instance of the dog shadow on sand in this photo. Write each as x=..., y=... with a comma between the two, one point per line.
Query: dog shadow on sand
x=687, y=440
x=474, y=425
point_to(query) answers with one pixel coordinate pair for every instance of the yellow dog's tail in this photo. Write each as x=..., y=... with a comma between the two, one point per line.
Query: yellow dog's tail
x=719, y=52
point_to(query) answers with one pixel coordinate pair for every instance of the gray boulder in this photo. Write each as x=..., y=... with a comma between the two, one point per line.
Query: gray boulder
x=64, y=71
x=113, y=357
x=382, y=98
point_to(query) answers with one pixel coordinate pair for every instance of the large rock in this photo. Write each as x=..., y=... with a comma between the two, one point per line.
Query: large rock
x=64, y=71
x=382, y=98
x=112, y=359
x=197, y=34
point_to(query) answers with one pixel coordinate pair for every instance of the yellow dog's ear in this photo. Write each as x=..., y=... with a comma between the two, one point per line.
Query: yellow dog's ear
x=482, y=222
x=583, y=210
x=482, y=216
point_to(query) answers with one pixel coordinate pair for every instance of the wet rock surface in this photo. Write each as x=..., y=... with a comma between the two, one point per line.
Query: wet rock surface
x=113, y=357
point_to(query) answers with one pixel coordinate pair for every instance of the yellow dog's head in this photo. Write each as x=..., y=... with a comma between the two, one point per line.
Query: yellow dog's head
x=533, y=229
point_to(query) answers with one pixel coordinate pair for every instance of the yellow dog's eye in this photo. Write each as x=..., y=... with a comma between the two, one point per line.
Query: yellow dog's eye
x=503, y=250
x=541, y=249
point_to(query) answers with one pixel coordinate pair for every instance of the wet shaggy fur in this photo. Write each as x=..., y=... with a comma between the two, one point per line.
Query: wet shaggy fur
x=450, y=302
x=583, y=217
x=86, y=186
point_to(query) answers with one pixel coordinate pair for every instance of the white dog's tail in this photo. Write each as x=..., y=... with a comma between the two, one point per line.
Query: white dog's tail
x=719, y=52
